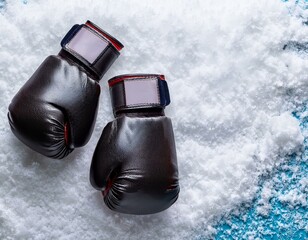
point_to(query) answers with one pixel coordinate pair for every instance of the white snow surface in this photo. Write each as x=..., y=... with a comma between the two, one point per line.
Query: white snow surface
x=232, y=87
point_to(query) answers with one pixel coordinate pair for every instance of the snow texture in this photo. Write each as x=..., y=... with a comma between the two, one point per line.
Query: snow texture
x=233, y=85
x=279, y=210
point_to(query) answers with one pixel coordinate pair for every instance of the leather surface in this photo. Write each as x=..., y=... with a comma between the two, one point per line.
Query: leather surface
x=89, y=47
x=99, y=67
x=57, y=96
x=129, y=92
x=135, y=164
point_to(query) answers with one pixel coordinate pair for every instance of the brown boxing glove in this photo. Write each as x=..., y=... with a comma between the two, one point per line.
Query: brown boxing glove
x=135, y=163
x=55, y=111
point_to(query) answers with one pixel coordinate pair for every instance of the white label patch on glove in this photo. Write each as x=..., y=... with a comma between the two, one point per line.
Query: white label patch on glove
x=87, y=44
x=141, y=92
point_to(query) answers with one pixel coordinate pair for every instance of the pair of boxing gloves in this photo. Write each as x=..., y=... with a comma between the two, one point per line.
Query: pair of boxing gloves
x=134, y=164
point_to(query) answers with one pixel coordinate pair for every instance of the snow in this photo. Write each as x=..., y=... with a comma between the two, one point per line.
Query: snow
x=294, y=197
x=232, y=87
x=264, y=205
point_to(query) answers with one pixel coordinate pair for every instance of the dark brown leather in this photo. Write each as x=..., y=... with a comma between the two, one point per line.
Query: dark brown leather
x=135, y=165
x=99, y=67
x=57, y=96
x=91, y=48
x=138, y=91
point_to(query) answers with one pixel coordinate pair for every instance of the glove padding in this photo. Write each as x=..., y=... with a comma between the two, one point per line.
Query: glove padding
x=135, y=163
x=55, y=111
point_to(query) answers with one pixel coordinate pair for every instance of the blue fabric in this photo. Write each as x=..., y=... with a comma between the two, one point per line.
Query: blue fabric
x=164, y=93
x=71, y=33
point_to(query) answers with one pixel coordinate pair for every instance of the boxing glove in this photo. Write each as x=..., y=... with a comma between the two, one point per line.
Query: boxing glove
x=135, y=163
x=55, y=111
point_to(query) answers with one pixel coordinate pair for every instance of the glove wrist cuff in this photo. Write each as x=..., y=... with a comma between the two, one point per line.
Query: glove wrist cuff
x=91, y=47
x=140, y=91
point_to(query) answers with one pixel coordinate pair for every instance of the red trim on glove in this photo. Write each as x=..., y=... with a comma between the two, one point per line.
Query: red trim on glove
x=108, y=187
x=111, y=39
x=66, y=132
x=121, y=78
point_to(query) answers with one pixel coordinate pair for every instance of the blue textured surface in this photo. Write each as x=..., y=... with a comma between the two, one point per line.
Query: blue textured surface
x=284, y=221
x=2, y=3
